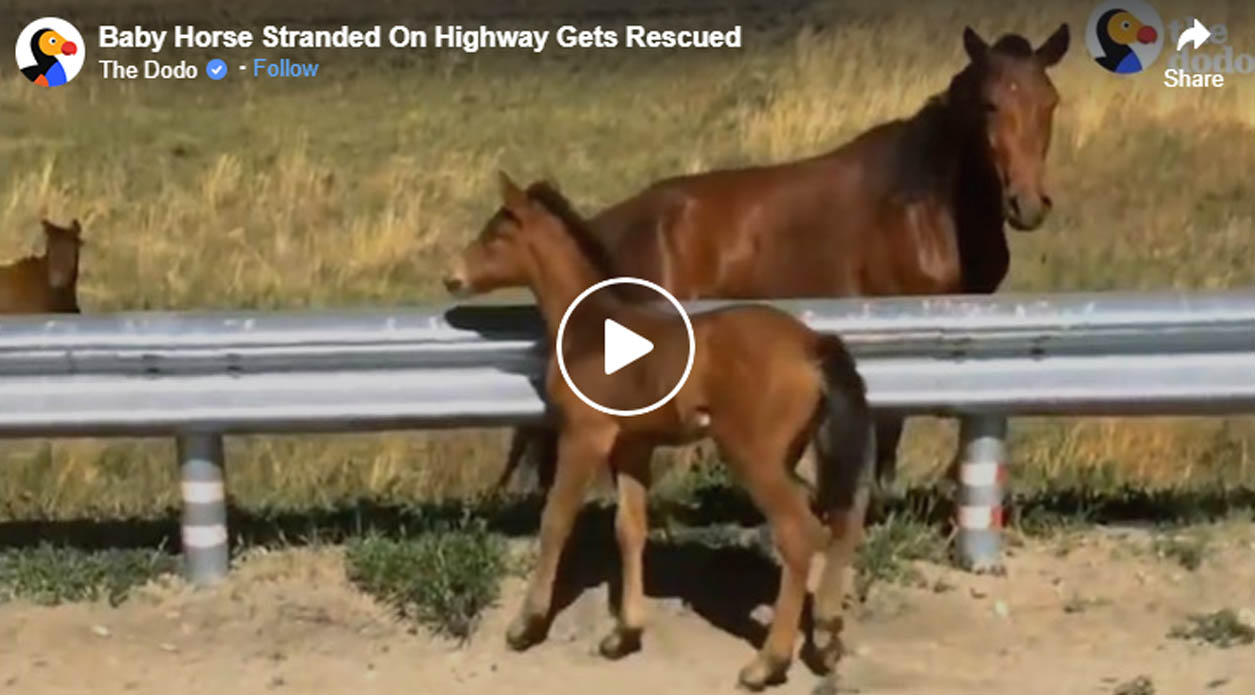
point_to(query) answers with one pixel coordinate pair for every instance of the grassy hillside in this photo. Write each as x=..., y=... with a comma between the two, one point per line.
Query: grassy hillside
x=355, y=188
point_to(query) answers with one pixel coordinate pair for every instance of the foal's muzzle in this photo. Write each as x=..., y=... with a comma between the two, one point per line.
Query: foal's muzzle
x=455, y=285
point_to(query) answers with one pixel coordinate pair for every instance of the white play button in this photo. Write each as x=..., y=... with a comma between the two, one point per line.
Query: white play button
x=623, y=346
x=606, y=359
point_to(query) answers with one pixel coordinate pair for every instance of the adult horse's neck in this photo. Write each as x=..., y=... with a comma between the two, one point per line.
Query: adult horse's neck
x=950, y=129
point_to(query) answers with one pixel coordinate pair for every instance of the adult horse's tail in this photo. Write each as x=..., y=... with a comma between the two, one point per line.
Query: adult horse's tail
x=845, y=443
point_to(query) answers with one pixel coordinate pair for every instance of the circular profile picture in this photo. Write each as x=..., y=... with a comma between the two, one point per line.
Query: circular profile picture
x=1124, y=36
x=50, y=52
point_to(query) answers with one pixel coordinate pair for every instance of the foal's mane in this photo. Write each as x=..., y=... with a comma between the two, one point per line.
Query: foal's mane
x=573, y=223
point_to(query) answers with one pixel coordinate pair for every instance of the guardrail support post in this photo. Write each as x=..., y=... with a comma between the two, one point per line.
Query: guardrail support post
x=982, y=474
x=205, y=548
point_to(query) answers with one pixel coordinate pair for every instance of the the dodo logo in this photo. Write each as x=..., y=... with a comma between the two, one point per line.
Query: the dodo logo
x=1124, y=36
x=50, y=52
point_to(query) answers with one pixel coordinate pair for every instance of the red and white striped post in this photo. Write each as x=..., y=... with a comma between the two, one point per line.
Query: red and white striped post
x=982, y=477
x=206, y=553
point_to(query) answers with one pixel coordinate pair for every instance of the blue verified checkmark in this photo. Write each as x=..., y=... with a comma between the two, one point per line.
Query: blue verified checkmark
x=216, y=69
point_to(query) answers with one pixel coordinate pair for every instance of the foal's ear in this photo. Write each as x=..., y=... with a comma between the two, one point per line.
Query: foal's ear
x=1052, y=49
x=975, y=46
x=512, y=197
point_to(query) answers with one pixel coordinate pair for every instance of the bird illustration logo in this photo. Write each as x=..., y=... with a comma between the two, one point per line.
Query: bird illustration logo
x=50, y=52
x=1124, y=36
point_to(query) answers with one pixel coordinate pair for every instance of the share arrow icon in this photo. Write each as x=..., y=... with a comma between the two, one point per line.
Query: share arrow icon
x=1197, y=35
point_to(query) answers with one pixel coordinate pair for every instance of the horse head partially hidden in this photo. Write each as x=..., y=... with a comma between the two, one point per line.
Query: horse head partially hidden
x=1006, y=91
x=47, y=283
x=62, y=250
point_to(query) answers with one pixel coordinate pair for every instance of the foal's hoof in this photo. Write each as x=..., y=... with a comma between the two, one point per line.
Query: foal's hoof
x=620, y=642
x=827, y=649
x=527, y=630
x=762, y=672
x=824, y=657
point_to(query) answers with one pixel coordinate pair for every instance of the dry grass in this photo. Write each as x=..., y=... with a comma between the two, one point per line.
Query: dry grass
x=351, y=190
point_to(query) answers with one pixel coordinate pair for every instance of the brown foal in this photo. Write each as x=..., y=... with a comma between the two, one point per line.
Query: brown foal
x=47, y=283
x=762, y=386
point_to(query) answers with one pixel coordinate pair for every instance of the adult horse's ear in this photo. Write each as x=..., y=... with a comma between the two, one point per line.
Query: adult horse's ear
x=513, y=197
x=975, y=46
x=1051, y=51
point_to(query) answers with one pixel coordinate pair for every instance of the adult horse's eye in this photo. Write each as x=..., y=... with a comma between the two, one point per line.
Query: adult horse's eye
x=990, y=107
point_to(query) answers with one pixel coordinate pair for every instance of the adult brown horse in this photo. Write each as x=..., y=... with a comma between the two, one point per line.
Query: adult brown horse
x=47, y=283
x=807, y=389
x=911, y=207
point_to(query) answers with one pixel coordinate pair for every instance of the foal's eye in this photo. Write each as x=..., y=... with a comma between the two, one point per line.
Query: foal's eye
x=990, y=107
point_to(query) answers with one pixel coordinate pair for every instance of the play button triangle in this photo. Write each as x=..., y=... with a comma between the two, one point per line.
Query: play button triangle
x=622, y=346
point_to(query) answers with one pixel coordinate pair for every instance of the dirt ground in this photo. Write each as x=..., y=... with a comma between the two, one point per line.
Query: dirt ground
x=1085, y=614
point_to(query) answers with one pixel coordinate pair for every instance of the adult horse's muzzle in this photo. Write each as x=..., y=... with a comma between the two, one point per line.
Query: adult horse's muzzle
x=1026, y=213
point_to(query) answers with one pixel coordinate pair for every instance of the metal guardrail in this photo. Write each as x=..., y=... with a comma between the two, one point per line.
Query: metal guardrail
x=198, y=376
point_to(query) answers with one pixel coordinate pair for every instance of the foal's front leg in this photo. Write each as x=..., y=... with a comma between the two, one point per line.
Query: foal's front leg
x=632, y=478
x=580, y=455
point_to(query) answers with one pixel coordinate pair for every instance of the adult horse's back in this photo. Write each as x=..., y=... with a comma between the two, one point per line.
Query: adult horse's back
x=917, y=206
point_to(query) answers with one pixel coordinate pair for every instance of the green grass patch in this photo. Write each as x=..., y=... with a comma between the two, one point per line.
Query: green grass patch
x=1222, y=628
x=891, y=546
x=443, y=578
x=50, y=575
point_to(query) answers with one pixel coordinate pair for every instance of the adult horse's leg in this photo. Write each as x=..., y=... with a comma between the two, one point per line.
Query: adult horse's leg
x=632, y=477
x=542, y=440
x=580, y=455
x=520, y=438
x=888, y=434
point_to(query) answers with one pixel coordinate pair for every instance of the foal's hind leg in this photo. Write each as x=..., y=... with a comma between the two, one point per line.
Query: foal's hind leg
x=846, y=532
x=632, y=477
x=796, y=532
x=580, y=455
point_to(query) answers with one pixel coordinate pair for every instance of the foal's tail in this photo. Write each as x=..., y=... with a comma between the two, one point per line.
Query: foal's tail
x=846, y=440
